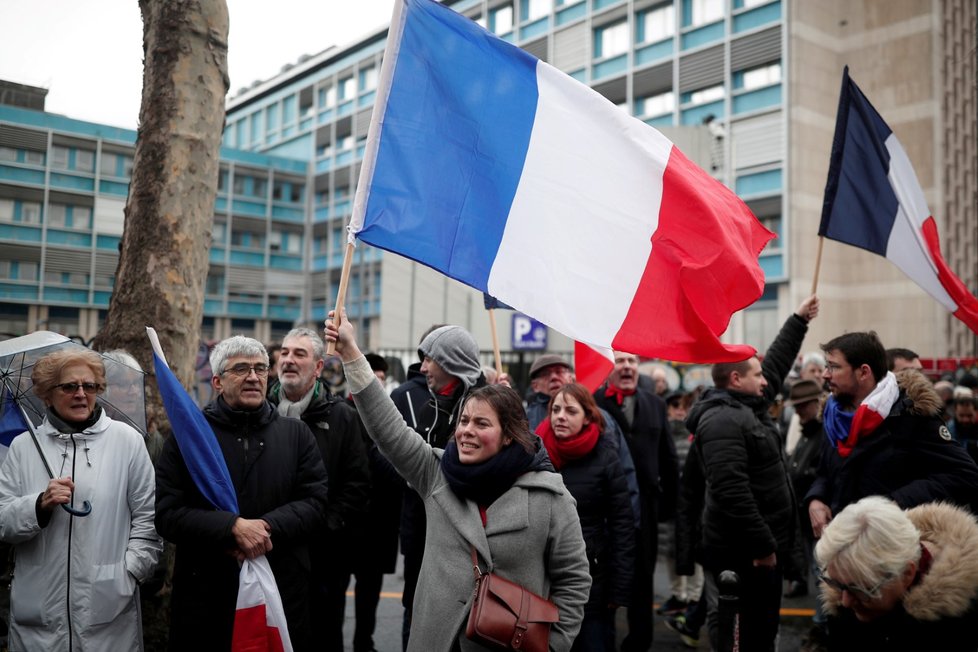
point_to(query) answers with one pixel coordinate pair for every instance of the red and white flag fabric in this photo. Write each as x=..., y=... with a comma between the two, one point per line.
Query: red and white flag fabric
x=508, y=175
x=874, y=201
x=259, y=622
x=591, y=365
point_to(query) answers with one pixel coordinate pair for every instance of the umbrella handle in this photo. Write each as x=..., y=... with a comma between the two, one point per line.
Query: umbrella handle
x=85, y=510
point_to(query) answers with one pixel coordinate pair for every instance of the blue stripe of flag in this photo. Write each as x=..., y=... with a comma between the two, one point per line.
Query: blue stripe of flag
x=196, y=441
x=12, y=421
x=857, y=186
x=456, y=131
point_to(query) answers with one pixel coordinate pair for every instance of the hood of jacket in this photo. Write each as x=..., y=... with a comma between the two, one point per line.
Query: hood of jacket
x=920, y=397
x=949, y=588
x=100, y=426
x=455, y=351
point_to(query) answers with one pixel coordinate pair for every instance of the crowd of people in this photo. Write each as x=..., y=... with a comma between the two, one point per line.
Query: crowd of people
x=845, y=471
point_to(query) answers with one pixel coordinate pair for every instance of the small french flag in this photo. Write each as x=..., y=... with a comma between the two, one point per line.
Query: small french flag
x=873, y=201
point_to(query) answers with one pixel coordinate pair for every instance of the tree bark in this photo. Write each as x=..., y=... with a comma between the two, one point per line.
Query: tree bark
x=170, y=210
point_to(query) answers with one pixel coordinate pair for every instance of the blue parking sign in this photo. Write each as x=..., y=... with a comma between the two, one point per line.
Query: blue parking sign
x=528, y=334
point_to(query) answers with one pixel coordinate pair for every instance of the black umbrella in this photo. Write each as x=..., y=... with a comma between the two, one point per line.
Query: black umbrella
x=21, y=410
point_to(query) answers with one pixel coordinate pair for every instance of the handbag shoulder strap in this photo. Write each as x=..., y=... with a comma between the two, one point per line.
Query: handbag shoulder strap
x=475, y=563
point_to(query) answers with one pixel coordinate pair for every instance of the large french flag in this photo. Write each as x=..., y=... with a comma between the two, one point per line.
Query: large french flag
x=874, y=201
x=508, y=175
x=259, y=621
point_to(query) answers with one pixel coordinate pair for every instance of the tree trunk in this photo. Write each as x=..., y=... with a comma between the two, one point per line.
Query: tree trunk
x=169, y=213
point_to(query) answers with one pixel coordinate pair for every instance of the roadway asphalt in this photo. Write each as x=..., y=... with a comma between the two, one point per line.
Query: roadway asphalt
x=796, y=616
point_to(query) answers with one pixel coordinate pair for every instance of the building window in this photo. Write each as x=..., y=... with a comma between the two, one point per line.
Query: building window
x=7, y=210
x=288, y=110
x=533, y=9
x=345, y=91
x=260, y=188
x=33, y=158
x=703, y=95
x=271, y=117
x=81, y=218
x=501, y=20
x=57, y=215
x=611, y=40
x=84, y=160
x=701, y=12
x=759, y=77
x=368, y=79
x=247, y=239
x=8, y=154
x=238, y=187
x=30, y=212
x=656, y=24
x=327, y=97
x=654, y=105
x=59, y=157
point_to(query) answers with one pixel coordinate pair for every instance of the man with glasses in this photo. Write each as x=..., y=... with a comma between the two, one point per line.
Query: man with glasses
x=900, y=580
x=886, y=436
x=280, y=481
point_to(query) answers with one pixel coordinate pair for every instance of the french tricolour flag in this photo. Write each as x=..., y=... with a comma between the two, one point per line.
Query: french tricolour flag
x=874, y=201
x=506, y=174
x=259, y=620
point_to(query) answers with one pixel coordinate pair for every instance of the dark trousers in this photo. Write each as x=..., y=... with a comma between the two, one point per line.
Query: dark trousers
x=597, y=633
x=366, y=598
x=329, y=604
x=640, y=614
x=759, y=605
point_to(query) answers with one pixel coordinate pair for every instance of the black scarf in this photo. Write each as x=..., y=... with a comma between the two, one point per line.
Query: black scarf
x=486, y=481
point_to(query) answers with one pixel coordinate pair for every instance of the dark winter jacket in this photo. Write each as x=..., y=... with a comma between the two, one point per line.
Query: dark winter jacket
x=939, y=611
x=278, y=475
x=749, y=508
x=597, y=483
x=336, y=427
x=911, y=458
x=803, y=465
x=656, y=465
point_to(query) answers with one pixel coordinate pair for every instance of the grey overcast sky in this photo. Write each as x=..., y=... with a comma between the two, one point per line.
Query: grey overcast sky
x=89, y=54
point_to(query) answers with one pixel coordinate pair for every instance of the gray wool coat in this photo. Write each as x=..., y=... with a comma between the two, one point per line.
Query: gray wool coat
x=533, y=534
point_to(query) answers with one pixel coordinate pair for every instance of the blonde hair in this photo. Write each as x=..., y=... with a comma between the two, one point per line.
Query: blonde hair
x=47, y=371
x=869, y=541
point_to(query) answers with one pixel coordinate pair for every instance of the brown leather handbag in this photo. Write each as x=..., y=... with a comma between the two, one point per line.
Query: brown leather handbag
x=506, y=616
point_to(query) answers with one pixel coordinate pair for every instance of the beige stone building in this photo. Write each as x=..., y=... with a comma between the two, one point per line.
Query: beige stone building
x=915, y=61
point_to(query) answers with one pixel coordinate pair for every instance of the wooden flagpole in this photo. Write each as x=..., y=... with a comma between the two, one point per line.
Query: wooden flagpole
x=495, y=342
x=341, y=294
x=818, y=263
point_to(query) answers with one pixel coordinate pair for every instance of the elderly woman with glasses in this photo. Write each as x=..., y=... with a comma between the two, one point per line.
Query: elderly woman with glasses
x=76, y=577
x=900, y=580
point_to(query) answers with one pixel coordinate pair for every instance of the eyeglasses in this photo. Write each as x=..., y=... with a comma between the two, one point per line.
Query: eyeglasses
x=860, y=593
x=244, y=370
x=833, y=368
x=90, y=388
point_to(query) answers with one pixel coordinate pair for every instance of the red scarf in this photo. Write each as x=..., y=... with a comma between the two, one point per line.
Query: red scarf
x=449, y=388
x=618, y=393
x=565, y=450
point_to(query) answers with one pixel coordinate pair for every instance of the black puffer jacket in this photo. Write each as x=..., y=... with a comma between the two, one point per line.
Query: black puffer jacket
x=597, y=483
x=749, y=508
x=278, y=476
x=911, y=458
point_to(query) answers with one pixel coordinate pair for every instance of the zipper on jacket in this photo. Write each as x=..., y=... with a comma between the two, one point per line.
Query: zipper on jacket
x=71, y=522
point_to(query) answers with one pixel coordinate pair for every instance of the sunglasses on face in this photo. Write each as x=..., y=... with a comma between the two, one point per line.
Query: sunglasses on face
x=860, y=593
x=89, y=388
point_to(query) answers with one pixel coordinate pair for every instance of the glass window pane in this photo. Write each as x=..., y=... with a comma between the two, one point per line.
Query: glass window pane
x=611, y=40
x=59, y=157
x=501, y=19
x=657, y=24
x=56, y=215
x=85, y=160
